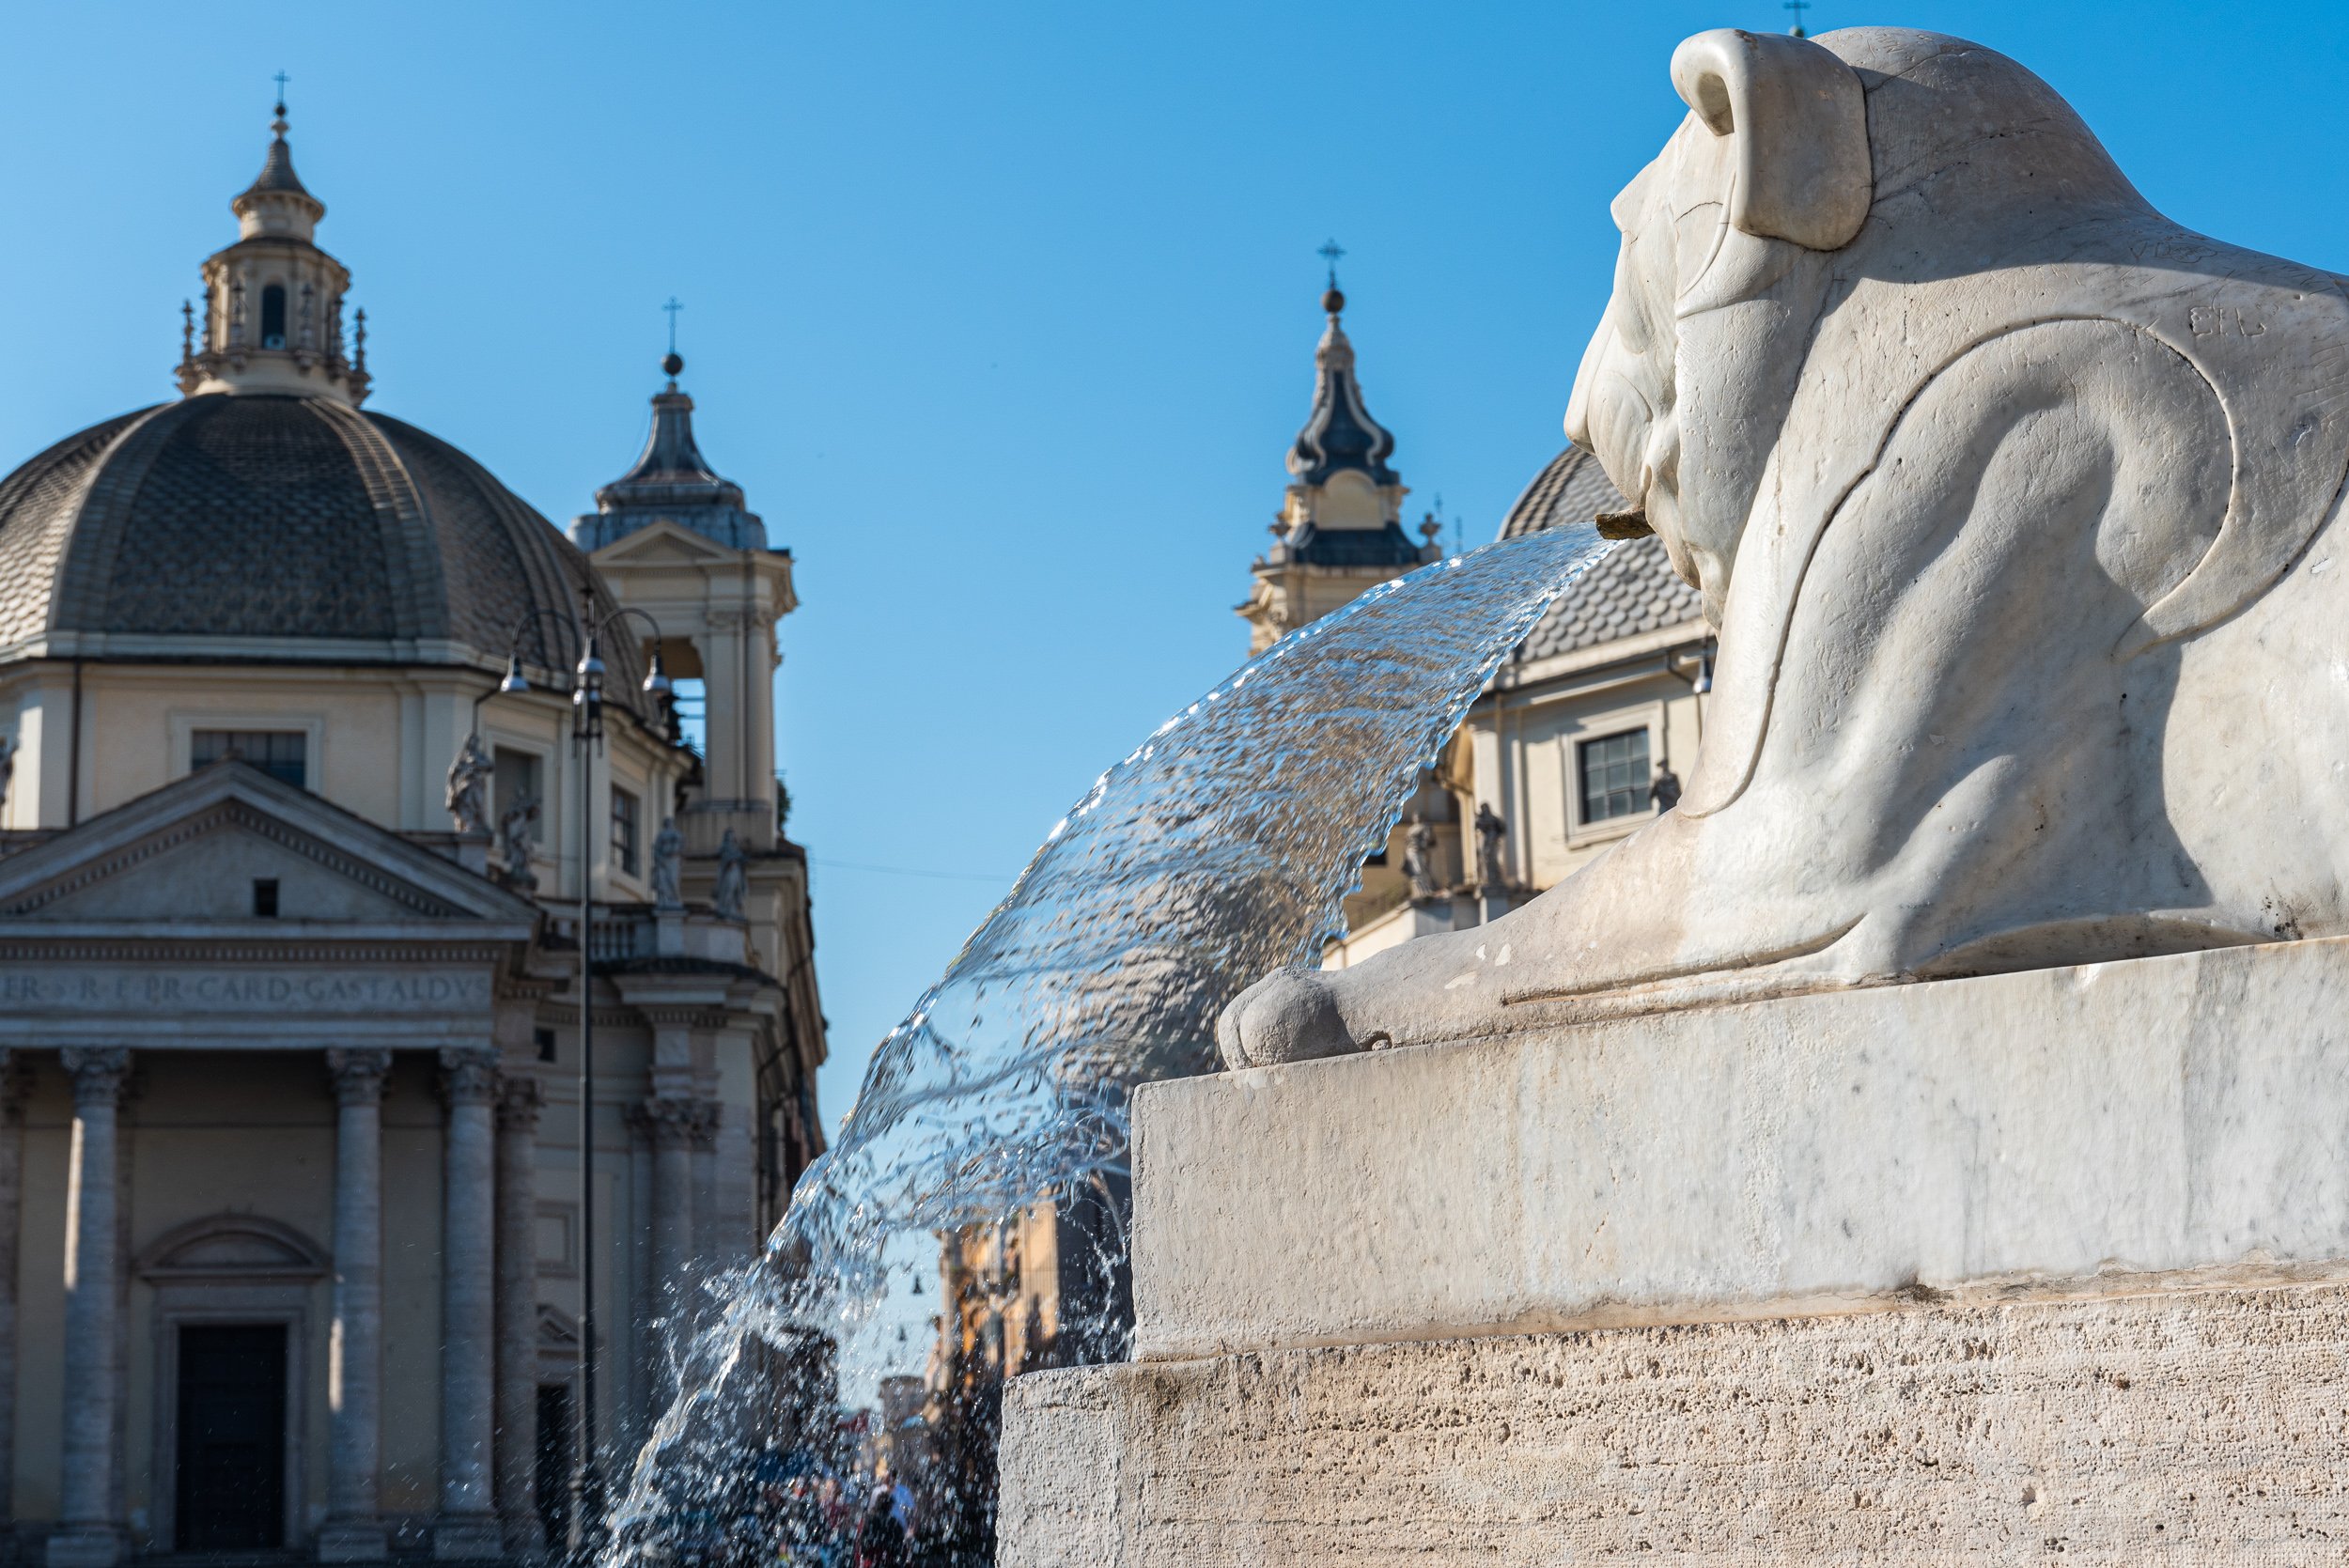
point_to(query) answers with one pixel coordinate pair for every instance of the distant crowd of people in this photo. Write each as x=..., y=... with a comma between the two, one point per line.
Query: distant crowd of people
x=790, y=1513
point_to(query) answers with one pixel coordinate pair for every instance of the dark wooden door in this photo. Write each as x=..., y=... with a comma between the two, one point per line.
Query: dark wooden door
x=231, y=1491
x=554, y=1465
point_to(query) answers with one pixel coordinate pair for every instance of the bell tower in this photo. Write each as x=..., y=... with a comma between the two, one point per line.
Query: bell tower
x=1339, y=529
x=674, y=540
x=273, y=315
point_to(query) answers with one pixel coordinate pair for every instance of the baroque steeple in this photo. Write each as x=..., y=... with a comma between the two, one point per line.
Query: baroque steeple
x=272, y=313
x=1339, y=529
x=671, y=480
x=1340, y=432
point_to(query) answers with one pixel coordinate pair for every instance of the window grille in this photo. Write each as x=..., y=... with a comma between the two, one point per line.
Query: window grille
x=282, y=754
x=626, y=818
x=1614, y=773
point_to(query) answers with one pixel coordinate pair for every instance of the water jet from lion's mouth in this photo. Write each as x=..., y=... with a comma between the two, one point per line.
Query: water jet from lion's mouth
x=1220, y=849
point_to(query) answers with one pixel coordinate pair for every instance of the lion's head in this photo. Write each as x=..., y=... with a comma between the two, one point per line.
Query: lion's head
x=1799, y=164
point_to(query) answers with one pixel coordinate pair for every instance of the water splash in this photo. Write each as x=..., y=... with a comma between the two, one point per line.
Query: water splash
x=1221, y=848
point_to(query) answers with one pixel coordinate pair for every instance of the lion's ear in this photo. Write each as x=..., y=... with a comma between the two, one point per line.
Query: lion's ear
x=1799, y=120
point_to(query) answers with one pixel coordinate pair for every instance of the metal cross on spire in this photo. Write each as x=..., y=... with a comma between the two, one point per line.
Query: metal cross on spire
x=282, y=78
x=673, y=307
x=1798, y=7
x=1330, y=251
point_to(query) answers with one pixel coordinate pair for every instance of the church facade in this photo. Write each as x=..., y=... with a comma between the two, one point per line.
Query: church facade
x=302, y=858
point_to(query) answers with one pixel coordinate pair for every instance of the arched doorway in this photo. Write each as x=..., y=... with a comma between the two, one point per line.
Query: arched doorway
x=233, y=1297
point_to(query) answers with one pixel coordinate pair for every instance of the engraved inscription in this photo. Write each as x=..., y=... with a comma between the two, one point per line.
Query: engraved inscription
x=239, y=990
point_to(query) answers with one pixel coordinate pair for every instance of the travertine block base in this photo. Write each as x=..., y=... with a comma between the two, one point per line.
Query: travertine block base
x=2050, y=1128
x=2180, y=1426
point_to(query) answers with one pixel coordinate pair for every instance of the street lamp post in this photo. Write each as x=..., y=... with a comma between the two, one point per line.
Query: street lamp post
x=587, y=1485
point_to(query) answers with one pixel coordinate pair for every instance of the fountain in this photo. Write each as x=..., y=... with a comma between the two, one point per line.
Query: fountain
x=1922, y=1144
x=1220, y=847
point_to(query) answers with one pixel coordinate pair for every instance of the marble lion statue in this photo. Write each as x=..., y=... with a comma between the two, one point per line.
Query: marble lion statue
x=2014, y=505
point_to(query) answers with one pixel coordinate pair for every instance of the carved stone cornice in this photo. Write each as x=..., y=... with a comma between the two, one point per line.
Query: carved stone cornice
x=99, y=1073
x=468, y=1074
x=358, y=1073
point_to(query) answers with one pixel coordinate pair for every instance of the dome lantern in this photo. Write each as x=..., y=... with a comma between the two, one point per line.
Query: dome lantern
x=273, y=318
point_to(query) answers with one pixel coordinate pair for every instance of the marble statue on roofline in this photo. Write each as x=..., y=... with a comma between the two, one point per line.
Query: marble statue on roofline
x=668, y=857
x=2014, y=505
x=733, y=886
x=517, y=826
x=469, y=776
x=1419, y=862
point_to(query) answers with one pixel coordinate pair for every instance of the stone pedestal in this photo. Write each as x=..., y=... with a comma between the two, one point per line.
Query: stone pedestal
x=2054, y=1261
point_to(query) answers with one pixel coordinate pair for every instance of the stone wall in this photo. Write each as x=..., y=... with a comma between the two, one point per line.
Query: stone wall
x=2178, y=1426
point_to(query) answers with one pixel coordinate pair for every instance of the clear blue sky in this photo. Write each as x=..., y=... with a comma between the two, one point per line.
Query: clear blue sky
x=1003, y=313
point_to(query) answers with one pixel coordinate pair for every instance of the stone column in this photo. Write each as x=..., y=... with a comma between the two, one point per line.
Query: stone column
x=88, y=1534
x=11, y=1219
x=353, y=1531
x=518, y=1103
x=667, y=1124
x=467, y=1527
x=701, y=1132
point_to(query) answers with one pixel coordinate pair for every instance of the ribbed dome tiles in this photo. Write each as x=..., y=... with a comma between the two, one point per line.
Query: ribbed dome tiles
x=285, y=520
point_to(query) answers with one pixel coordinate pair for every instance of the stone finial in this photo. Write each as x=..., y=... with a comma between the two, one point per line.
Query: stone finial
x=358, y=1073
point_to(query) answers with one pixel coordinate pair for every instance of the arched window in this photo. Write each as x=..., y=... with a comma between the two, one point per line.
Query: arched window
x=273, y=316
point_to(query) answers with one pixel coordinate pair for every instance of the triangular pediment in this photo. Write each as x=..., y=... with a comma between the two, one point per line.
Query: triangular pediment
x=665, y=543
x=192, y=852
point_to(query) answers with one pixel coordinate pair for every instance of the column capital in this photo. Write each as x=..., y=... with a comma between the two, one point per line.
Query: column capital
x=667, y=1123
x=15, y=1082
x=521, y=1097
x=468, y=1074
x=700, y=1124
x=98, y=1072
x=358, y=1073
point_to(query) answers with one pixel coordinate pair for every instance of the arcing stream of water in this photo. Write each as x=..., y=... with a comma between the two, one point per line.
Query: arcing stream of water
x=1220, y=849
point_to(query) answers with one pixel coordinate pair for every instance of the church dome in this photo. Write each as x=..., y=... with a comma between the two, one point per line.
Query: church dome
x=266, y=516
x=299, y=527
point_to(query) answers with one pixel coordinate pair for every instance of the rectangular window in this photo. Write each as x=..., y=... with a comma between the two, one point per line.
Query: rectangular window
x=513, y=782
x=265, y=898
x=1614, y=776
x=625, y=818
x=282, y=754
